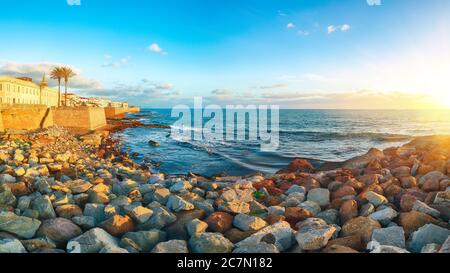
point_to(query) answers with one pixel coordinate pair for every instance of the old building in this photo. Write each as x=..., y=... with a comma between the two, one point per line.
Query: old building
x=25, y=91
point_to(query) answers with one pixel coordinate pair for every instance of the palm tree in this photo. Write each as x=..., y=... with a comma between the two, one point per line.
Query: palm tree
x=57, y=74
x=67, y=73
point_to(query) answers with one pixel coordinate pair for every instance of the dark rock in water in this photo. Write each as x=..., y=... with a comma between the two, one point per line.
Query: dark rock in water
x=153, y=143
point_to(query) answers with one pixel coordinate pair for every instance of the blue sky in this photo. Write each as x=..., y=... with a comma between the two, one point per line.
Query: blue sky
x=295, y=53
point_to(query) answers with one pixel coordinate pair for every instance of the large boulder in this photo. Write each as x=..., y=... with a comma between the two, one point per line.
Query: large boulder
x=427, y=234
x=413, y=220
x=391, y=236
x=22, y=226
x=320, y=196
x=172, y=246
x=143, y=241
x=60, y=230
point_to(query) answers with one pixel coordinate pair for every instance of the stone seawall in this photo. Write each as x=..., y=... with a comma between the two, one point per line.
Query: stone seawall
x=84, y=118
x=115, y=112
x=25, y=117
x=32, y=117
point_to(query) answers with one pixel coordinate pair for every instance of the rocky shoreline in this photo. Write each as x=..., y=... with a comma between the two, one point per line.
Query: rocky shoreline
x=80, y=194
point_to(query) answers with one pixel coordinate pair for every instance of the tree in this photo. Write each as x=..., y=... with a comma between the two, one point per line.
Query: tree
x=57, y=74
x=67, y=73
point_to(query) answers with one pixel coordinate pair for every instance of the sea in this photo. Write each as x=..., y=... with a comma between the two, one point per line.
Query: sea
x=317, y=135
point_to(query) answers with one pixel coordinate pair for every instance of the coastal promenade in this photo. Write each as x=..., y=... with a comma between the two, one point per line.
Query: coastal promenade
x=62, y=192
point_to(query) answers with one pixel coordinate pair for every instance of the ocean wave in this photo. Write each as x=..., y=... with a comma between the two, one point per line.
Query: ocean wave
x=387, y=137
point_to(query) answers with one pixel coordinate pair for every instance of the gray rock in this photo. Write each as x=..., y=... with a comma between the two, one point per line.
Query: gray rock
x=45, y=207
x=113, y=250
x=7, y=198
x=143, y=241
x=37, y=244
x=376, y=199
x=427, y=234
x=209, y=242
x=296, y=188
x=390, y=236
x=176, y=203
x=445, y=246
x=6, y=178
x=85, y=222
x=247, y=222
x=431, y=248
x=375, y=247
x=23, y=203
x=442, y=198
x=97, y=211
x=21, y=226
x=276, y=210
x=172, y=246
x=280, y=232
x=384, y=216
x=235, y=207
x=262, y=247
x=181, y=186
x=422, y=207
x=311, y=206
x=244, y=196
x=140, y=214
x=196, y=226
x=92, y=241
x=161, y=218
x=59, y=230
x=331, y=216
x=161, y=195
x=293, y=200
x=320, y=196
x=11, y=246
x=314, y=233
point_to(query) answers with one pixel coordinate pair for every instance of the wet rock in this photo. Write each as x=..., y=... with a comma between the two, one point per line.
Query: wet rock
x=384, y=216
x=219, y=221
x=208, y=242
x=427, y=234
x=313, y=234
x=173, y=246
x=91, y=241
x=392, y=236
x=319, y=196
x=11, y=246
x=59, y=230
x=360, y=226
x=143, y=241
x=247, y=222
x=118, y=225
x=22, y=226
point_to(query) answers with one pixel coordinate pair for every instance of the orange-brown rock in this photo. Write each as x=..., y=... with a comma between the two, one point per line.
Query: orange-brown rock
x=295, y=214
x=298, y=165
x=68, y=211
x=348, y=210
x=355, y=184
x=273, y=218
x=354, y=242
x=18, y=189
x=343, y=191
x=413, y=220
x=408, y=182
x=310, y=184
x=339, y=249
x=219, y=221
x=118, y=225
x=236, y=235
x=431, y=185
x=360, y=226
x=407, y=202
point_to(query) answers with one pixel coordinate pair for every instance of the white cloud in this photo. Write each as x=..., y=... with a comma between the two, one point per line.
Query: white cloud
x=331, y=29
x=156, y=48
x=290, y=25
x=36, y=71
x=303, y=33
x=345, y=27
x=281, y=13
